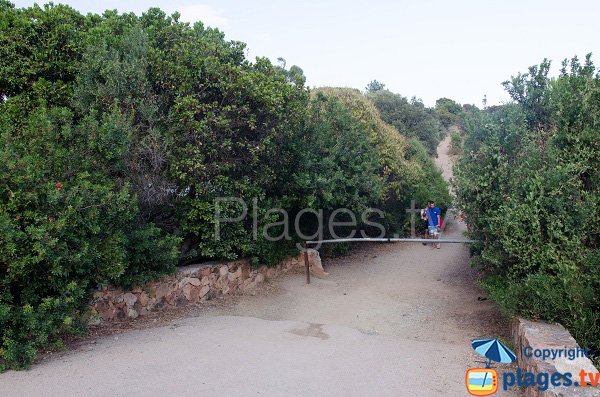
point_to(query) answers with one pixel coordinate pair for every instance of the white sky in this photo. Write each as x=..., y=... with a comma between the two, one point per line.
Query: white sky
x=459, y=49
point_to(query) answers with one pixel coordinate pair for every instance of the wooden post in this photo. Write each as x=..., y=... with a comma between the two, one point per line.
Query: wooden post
x=306, y=263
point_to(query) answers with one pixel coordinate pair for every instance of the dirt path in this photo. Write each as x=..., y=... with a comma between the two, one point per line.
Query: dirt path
x=444, y=160
x=390, y=320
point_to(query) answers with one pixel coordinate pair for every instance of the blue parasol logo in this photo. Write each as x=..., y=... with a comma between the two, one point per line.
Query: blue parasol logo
x=493, y=350
x=484, y=381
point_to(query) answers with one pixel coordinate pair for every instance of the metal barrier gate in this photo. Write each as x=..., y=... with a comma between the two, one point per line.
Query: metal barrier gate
x=378, y=240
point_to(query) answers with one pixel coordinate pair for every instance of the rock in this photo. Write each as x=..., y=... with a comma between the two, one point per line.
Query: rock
x=132, y=313
x=143, y=299
x=204, y=291
x=205, y=271
x=170, y=299
x=161, y=291
x=120, y=313
x=233, y=286
x=108, y=314
x=191, y=293
x=245, y=271
x=222, y=281
x=180, y=299
x=189, y=280
x=292, y=263
x=189, y=271
x=130, y=299
x=314, y=260
x=192, y=284
x=195, y=281
x=151, y=303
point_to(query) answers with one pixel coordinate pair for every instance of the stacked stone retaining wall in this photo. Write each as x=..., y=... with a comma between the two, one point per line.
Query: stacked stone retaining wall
x=190, y=285
x=541, y=335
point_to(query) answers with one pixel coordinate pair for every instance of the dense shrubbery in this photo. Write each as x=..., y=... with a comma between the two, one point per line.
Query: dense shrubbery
x=529, y=184
x=411, y=118
x=450, y=112
x=455, y=142
x=407, y=170
x=117, y=134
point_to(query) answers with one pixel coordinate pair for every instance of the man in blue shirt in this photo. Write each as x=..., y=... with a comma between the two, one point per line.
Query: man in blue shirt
x=434, y=221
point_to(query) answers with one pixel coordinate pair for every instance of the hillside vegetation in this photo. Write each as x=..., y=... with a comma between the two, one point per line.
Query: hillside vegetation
x=411, y=118
x=118, y=133
x=407, y=170
x=529, y=182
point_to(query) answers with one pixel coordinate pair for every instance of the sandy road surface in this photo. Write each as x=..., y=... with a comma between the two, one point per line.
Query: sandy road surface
x=390, y=320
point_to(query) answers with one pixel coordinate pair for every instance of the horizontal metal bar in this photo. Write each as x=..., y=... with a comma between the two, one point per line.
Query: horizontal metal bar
x=384, y=240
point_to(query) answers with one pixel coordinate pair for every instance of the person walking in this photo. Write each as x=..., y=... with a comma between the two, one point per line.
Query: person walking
x=434, y=219
x=425, y=223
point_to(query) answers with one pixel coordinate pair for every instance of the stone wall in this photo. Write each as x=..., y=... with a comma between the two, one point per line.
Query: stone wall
x=191, y=285
x=541, y=335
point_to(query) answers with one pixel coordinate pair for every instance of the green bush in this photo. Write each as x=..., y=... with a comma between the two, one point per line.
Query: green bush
x=117, y=134
x=66, y=227
x=528, y=182
x=410, y=118
x=449, y=112
x=455, y=143
x=408, y=171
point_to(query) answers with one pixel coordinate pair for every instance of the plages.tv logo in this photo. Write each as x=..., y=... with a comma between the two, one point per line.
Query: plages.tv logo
x=484, y=381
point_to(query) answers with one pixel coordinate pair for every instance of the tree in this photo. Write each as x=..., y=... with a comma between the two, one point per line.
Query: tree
x=374, y=86
x=118, y=135
x=338, y=166
x=40, y=49
x=528, y=184
x=295, y=75
x=408, y=172
x=530, y=91
x=410, y=118
x=448, y=111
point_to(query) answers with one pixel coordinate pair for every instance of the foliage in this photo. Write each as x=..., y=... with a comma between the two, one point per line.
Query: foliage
x=449, y=112
x=294, y=75
x=235, y=140
x=530, y=90
x=119, y=132
x=66, y=227
x=455, y=142
x=528, y=182
x=410, y=118
x=338, y=164
x=407, y=170
x=40, y=49
x=374, y=86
